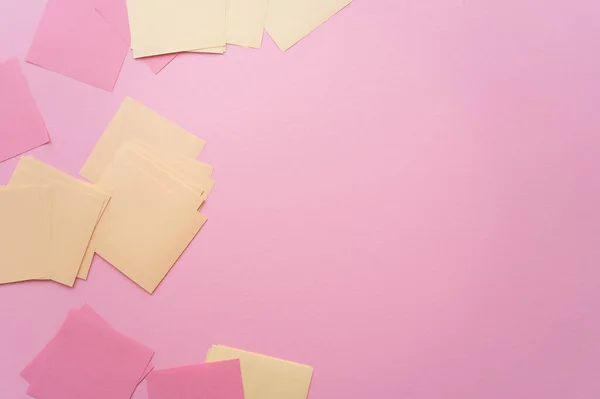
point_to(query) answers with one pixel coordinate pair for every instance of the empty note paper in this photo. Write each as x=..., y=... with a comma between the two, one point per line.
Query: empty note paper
x=288, y=21
x=136, y=122
x=25, y=235
x=266, y=377
x=21, y=125
x=220, y=380
x=87, y=359
x=170, y=26
x=74, y=40
x=75, y=211
x=246, y=22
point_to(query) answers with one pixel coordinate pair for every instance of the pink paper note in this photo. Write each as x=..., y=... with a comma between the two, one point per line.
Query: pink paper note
x=87, y=358
x=115, y=13
x=21, y=125
x=220, y=380
x=75, y=41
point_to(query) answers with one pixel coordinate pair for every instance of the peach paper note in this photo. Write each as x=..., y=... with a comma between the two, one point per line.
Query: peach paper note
x=21, y=125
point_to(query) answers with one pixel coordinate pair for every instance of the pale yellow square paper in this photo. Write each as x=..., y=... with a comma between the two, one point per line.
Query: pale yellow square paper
x=136, y=122
x=266, y=377
x=288, y=21
x=246, y=22
x=150, y=220
x=25, y=235
x=75, y=212
x=171, y=26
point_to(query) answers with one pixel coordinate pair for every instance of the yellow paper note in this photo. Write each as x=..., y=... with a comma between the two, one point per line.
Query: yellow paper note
x=266, y=377
x=246, y=22
x=171, y=26
x=150, y=220
x=288, y=21
x=25, y=235
x=134, y=121
x=75, y=213
x=212, y=50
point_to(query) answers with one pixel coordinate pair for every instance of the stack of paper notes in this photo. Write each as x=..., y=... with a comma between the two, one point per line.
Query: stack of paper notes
x=140, y=212
x=88, y=40
x=47, y=219
x=88, y=359
x=148, y=166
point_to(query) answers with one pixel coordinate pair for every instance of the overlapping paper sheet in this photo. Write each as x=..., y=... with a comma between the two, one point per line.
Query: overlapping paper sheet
x=21, y=125
x=48, y=219
x=148, y=166
x=266, y=377
x=87, y=359
x=219, y=380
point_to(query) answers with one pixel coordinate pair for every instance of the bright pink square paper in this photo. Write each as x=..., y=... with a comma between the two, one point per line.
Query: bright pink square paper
x=115, y=13
x=21, y=125
x=219, y=380
x=77, y=42
x=87, y=359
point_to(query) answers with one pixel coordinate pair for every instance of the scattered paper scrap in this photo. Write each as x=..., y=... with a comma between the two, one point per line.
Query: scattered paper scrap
x=87, y=359
x=220, y=380
x=170, y=26
x=288, y=21
x=47, y=224
x=266, y=377
x=72, y=39
x=21, y=125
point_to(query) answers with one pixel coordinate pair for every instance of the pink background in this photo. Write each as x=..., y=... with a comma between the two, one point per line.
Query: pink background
x=407, y=200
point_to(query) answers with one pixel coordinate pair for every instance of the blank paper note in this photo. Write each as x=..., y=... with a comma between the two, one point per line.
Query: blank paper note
x=75, y=211
x=288, y=21
x=134, y=121
x=266, y=377
x=75, y=41
x=171, y=26
x=220, y=380
x=21, y=125
x=87, y=359
x=25, y=233
x=246, y=22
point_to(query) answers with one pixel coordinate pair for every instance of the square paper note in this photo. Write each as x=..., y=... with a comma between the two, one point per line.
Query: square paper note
x=21, y=125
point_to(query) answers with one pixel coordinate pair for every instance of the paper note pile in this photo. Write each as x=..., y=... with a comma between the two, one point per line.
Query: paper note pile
x=47, y=223
x=88, y=40
x=148, y=166
x=21, y=125
x=87, y=359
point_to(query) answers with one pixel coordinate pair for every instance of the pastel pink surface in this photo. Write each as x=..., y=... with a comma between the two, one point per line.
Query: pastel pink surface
x=115, y=13
x=21, y=125
x=407, y=201
x=77, y=42
x=220, y=380
x=87, y=358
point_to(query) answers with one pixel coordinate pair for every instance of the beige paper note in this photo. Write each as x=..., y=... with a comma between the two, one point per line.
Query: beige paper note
x=171, y=26
x=288, y=21
x=266, y=377
x=25, y=233
x=246, y=22
x=134, y=121
x=75, y=210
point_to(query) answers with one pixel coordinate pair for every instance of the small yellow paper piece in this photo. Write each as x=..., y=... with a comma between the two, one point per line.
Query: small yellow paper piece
x=76, y=208
x=25, y=233
x=246, y=22
x=266, y=377
x=135, y=122
x=150, y=220
x=288, y=21
x=171, y=26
